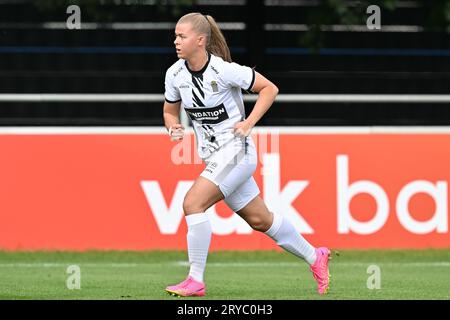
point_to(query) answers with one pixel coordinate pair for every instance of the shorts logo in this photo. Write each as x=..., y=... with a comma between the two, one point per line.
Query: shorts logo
x=208, y=115
x=213, y=164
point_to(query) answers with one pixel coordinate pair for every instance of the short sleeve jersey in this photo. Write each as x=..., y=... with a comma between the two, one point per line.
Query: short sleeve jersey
x=211, y=97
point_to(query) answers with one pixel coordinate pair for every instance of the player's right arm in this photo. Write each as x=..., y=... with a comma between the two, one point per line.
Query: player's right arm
x=171, y=114
x=171, y=109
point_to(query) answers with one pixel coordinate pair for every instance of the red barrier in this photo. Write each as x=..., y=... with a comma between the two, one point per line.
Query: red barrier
x=124, y=191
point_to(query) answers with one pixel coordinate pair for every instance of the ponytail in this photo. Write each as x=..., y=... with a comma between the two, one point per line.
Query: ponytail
x=205, y=24
x=217, y=44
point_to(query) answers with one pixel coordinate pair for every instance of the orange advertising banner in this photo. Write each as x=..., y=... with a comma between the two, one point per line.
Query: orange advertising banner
x=124, y=190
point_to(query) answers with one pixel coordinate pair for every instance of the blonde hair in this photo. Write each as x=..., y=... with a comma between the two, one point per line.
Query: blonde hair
x=215, y=41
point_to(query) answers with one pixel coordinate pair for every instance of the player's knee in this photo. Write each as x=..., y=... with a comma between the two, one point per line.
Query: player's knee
x=191, y=205
x=259, y=224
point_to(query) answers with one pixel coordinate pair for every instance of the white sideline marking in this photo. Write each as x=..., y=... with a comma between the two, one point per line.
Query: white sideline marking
x=344, y=264
x=220, y=264
x=60, y=264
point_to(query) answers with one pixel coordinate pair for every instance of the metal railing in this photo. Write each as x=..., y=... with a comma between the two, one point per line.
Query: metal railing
x=289, y=98
x=286, y=98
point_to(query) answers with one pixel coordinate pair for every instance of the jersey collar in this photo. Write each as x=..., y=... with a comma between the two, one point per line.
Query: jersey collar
x=199, y=72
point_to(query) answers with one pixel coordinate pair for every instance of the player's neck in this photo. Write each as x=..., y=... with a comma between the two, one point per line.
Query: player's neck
x=198, y=62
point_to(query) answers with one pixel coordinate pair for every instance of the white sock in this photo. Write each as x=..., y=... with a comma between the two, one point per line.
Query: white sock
x=198, y=240
x=285, y=235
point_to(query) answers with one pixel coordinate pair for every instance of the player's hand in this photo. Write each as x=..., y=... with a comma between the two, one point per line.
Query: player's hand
x=242, y=129
x=176, y=132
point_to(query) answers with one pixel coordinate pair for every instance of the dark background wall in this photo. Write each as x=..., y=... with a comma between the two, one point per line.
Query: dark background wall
x=303, y=46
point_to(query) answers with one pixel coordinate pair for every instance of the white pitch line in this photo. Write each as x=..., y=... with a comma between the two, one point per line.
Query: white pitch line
x=59, y=265
x=344, y=264
x=220, y=264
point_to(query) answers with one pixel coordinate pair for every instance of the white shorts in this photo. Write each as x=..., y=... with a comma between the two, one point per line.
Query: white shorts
x=231, y=169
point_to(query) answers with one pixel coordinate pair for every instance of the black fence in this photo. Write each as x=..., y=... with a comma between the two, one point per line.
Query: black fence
x=302, y=46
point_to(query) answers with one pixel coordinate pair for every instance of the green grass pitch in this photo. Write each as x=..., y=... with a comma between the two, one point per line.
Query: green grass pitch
x=404, y=274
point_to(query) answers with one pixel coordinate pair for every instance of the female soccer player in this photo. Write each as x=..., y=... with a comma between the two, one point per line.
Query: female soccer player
x=209, y=85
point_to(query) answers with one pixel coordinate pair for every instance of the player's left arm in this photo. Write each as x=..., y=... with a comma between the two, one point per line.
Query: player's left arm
x=267, y=92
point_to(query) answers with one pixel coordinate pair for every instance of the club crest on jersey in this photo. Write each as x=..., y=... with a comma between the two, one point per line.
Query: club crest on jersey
x=214, y=86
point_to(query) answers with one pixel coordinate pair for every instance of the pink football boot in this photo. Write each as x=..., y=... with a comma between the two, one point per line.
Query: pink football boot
x=187, y=288
x=320, y=270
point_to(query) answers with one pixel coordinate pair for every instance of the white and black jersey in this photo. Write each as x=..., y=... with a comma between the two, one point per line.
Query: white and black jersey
x=211, y=97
